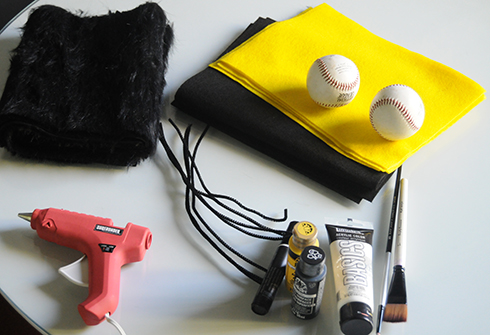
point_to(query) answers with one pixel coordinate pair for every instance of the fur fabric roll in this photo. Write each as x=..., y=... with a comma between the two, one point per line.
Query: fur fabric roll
x=87, y=89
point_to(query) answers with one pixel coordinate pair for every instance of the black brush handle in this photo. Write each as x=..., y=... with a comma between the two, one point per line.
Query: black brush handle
x=389, y=246
x=394, y=206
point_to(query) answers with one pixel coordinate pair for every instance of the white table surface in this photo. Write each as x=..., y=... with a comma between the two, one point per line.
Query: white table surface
x=183, y=286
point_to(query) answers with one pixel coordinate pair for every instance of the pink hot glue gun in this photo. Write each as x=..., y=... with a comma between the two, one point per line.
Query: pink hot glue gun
x=107, y=249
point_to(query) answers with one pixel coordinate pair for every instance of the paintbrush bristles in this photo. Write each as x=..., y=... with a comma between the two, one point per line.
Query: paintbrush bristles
x=396, y=307
x=395, y=313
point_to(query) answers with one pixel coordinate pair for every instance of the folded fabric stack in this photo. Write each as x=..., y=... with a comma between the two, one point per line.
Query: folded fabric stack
x=87, y=89
x=274, y=64
x=258, y=95
x=226, y=105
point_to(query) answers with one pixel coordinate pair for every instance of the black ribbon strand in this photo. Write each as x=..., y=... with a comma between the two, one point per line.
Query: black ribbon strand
x=197, y=191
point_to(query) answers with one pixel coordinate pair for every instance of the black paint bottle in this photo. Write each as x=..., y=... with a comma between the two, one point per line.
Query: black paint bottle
x=309, y=283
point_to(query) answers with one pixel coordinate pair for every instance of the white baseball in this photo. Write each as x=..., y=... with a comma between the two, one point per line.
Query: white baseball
x=333, y=81
x=397, y=112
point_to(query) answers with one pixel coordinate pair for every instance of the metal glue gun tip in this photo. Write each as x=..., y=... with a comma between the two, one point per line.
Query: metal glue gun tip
x=25, y=216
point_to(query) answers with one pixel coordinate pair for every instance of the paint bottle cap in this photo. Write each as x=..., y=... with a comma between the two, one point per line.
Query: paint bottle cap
x=356, y=318
x=304, y=234
x=312, y=261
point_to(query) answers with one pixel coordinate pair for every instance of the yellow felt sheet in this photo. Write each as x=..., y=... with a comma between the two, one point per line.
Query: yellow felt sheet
x=274, y=64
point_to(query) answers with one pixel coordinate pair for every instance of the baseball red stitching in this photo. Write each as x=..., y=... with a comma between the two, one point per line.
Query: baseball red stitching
x=332, y=81
x=397, y=104
x=323, y=104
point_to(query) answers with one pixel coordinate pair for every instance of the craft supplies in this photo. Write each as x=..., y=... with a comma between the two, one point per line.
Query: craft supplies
x=304, y=234
x=309, y=283
x=352, y=252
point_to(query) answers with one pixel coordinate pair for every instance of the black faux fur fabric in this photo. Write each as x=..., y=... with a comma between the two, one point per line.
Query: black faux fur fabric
x=87, y=89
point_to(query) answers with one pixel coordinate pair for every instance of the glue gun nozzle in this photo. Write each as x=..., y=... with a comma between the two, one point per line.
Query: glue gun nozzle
x=25, y=216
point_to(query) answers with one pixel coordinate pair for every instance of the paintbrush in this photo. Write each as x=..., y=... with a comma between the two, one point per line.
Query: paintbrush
x=389, y=246
x=396, y=307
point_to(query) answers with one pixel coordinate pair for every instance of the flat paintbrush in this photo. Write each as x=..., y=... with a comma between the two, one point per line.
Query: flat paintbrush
x=396, y=307
x=389, y=246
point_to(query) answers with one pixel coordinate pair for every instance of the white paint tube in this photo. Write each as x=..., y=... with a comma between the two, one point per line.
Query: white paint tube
x=352, y=252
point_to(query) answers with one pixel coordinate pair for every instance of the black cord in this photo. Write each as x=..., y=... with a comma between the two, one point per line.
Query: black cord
x=235, y=224
x=215, y=196
x=189, y=164
x=188, y=172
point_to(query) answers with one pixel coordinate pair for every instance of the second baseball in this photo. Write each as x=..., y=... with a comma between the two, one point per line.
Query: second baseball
x=397, y=112
x=333, y=81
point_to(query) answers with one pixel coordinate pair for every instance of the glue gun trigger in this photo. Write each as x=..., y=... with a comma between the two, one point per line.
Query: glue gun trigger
x=76, y=272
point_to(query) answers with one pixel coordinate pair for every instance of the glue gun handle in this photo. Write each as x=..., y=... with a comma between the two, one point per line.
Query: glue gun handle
x=104, y=281
x=104, y=264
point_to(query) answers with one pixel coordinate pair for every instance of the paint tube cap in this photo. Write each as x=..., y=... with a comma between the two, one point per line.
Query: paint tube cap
x=356, y=318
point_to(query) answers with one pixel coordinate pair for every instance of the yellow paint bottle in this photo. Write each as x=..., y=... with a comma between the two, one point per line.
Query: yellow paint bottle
x=304, y=234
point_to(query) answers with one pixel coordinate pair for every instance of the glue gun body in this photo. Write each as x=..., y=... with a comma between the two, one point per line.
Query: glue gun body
x=106, y=246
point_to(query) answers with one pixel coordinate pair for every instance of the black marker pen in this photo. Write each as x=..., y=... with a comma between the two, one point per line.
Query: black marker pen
x=273, y=277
